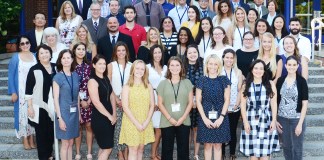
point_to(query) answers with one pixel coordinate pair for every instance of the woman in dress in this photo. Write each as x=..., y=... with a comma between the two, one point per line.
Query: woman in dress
x=235, y=76
x=83, y=70
x=267, y=53
x=83, y=35
x=224, y=16
x=169, y=36
x=279, y=28
x=152, y=38
x=175, y=99
x=39, y=97
x=138, y=106
x=103, y=116
x=118, y=74
x=261, y=27
x=67, y=23
x=290, y=47
x=252, y=17
x=293, y=103
x=259, y=137
x=66, y=101
x=51, y=38
x=193, y=64
x=272, y=6
x=205, y=34
x=193, y=20
x=213, y=97
x=247, y=54
x=219, y=43
x=184, y=39
x=157, y=71
x=239, y=27
x=18, y=68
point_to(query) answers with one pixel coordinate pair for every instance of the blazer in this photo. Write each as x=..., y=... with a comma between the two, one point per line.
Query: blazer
x=264, y=9
x=102, y=29
x=32, y=37
x=266, y=16
x=210, y=14
x=243, y=5
x=85, y=7
x=105, y=47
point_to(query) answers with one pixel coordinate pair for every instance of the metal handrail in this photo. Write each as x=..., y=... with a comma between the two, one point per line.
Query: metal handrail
x=318, y=27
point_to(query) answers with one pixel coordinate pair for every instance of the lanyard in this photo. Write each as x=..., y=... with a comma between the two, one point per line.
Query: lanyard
x=230, y=78
x=241, y=34
x=278, y=39
x=71, y=86
x=257, y=98
x=298, y=40
x=175, y=94
x=181, y=55
x=180, y=18
x=205, y=45
x=121, y=76
x=167, y=42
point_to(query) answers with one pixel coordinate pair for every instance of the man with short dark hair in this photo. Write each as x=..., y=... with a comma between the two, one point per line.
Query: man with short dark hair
x=114, y=12
x=204, y=10
x=36, y=35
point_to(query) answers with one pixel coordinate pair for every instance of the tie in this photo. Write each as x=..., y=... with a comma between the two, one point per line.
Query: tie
x=148, y=20
x=95, y=26
x=80, y=6
x=204, y=13
x=113, y=42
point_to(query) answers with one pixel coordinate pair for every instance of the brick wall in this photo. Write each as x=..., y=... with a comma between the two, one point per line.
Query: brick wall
x=31, y=7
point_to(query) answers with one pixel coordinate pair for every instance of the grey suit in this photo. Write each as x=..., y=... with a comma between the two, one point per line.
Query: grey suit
x=102, y=29
x=264, y=9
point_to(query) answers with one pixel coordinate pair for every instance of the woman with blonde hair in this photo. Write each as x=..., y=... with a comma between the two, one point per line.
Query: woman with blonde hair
x=67, y=23
x=224, y=16
x=267, y=53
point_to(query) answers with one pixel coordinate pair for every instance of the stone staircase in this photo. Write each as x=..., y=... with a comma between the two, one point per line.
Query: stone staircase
x=11, y=147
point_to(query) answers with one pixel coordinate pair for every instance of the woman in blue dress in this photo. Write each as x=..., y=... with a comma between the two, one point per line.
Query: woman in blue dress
x=212, y=98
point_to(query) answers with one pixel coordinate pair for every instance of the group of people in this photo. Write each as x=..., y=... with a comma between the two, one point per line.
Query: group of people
x=190, y=75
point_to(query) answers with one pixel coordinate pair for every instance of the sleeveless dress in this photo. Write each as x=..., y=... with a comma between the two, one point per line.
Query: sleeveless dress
x=139, y=105
x=67, y=29
x=260, y=142
x=225, y=24
x=101, y=125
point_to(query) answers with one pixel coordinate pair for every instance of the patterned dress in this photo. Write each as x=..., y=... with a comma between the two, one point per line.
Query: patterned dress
x=84, y=70
x=260, y=142
x=139, y=105
x=67, y=29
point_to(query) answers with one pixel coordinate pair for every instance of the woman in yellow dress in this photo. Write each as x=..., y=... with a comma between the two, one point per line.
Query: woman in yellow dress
x=138, y=105
x=193, y=20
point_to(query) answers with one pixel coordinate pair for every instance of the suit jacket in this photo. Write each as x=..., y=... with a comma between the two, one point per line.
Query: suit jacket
x=102, y=29
x=243, y=5
x=105, y=47
x=32, y=37
x=264, y=9
x=85, y=7
x=210, y=14
x=266, y=16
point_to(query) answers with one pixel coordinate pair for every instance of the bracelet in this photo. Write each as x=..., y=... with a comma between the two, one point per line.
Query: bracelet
x=223, y=115
x=169, y=118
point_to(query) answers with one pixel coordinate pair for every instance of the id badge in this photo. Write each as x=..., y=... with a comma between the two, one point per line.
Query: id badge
x=175, y=107
x=73, y=108
x=82, y=95
x=212, y=114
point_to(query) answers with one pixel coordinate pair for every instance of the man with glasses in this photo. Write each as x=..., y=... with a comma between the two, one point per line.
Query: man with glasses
x=105, y=11
x=204, y=10
x=36, y=35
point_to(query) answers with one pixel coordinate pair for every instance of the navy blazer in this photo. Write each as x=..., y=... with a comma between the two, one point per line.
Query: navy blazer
x=32, y=38
x=85, y=7
x=105, y=47
x=243, y=5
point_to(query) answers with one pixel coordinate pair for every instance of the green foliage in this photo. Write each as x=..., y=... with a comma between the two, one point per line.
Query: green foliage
x=9, y=10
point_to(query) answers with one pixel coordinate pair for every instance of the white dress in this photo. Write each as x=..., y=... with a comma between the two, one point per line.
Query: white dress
x=118, y=73
x=67, y=29
x=238, y=37
x=234, y=91
x=203, y=45
x=226, y=23
x=24, y=128
x=219, y=53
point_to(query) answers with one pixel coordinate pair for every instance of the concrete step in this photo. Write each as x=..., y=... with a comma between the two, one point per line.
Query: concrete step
x=316, y=98
x=315, y=121
x=315, y=109
x=3, y=81
x=7, y=111
x=4, y=90
x=316, y=70
x=5, y=100
x=3, y=66
x=316, y=79
x=315, y=88
x=3, y=72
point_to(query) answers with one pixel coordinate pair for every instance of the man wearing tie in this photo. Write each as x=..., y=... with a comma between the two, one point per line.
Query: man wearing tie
x=81, y=7
x=258, y=5
x=204, y=10
x=96, y=25
x=238, y=3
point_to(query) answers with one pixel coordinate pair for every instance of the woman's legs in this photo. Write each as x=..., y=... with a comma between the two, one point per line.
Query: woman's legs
x=196, y=145
x=155, y=144
x=208, y=150
x=78, y=143
x=66, y=149
x=89, y=137
x=217, y=151
x=168, y=142
x=103, y=154
x=136, y=152
x=31, y=141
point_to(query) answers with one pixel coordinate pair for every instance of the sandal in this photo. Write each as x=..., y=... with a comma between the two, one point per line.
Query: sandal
x=196, y=157
x=89, y=156
x=77, y=157
x=155, y=158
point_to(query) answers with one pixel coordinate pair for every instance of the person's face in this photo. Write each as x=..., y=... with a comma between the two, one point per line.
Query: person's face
x=239, y=15
x=95, y=11
x=129, y=15
x=80, y=51
x=271, y=7
x=261, y=27
x=167, y=24
x=121, y=52
x=278, y=23
x=212, y=66
x=139, y=70
x=203, y=4
x=114, y=7
x=24, y=45
x=44, y=56
x=154, y=36
x=258, y=2
x=252, y=16
x=112, y=24
x=51, y=39
x=175, y=67
x=192, y=54
x=67, y=9
x=182, y=2
x=289, y=45
x=224, y=8
x=66, y=59
x=39, y=20
x=294, y=27
x=100, y=66
x=258, y=70
x=192, y=14
x=157, y=54
x=266, y=43
x=248, y=41
x=218, y=35
x=291, y=66
x=228, y=59
x=205, y=25
x=82, y=33
x=183, y=37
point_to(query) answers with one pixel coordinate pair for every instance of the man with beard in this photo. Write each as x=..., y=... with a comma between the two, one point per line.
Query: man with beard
x=303, y=43
x=136, y=31
x=106, y=44
x=114, y=12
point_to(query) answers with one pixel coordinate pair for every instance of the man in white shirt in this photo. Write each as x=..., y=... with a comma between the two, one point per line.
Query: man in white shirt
x=303, y=43
x=36, y=35
x=179, y=14
x=105, y=11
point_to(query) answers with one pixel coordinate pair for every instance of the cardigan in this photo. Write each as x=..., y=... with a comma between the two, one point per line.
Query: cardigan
x=302, y=89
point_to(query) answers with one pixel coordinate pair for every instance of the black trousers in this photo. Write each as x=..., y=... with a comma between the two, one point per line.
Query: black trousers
x=181, y=133
x=233, y=120
x=44, y=135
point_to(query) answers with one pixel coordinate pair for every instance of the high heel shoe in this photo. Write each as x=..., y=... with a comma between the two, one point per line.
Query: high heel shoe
x=233, y=157
x=196, y=157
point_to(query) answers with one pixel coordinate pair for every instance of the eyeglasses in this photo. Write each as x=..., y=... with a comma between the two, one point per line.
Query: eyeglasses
x=204, y=1
x=218, y=34
x=24, y=43
x=95, y=10
x=248, y=39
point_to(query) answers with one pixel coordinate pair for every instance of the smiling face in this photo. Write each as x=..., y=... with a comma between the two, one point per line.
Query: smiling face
x=157, y=54
x=258, y=2
x=129, y=15
x=218, y=35
x=114, y=7
x=278, y=23
x=289, y=45
x=248, y=41
x=192, y=55
x=271, y=7
x=66, y=59
x=252, y=17
x=266, y=43
x=68, y=9
x=167, y=24
x=192, y=14
x=224, y=7
x=183, y=37
x=95, y=11
x=100, y=66
x=80, y=51
x=51, y=39
x=139, y=70
x=39, y=20
x=82, y=34
x=228, y=59
x=292, y=66
x=261, y=27
x=112, y=24
x=44, y=56
x=258, y=70
x=203, y=4
x=205, y=25
x=121, y=52
x=239, y=15
x=212, y=66
x=175, y=67
x=154, y=36
x=24, y=45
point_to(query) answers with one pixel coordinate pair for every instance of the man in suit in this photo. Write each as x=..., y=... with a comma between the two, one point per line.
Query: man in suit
x=238, y=3
x=81, y=7
x=106, y=43
x=258, y=5
x=204, y=10
x=36, y=35
x=96, y=25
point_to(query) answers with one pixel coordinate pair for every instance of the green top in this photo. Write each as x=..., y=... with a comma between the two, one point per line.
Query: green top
x=165, y=90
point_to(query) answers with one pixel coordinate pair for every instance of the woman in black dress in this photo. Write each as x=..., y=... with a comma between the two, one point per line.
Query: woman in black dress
x=103, y=117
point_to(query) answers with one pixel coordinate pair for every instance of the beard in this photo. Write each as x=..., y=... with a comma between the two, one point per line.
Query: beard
x=130, y=20
x=295, y=31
